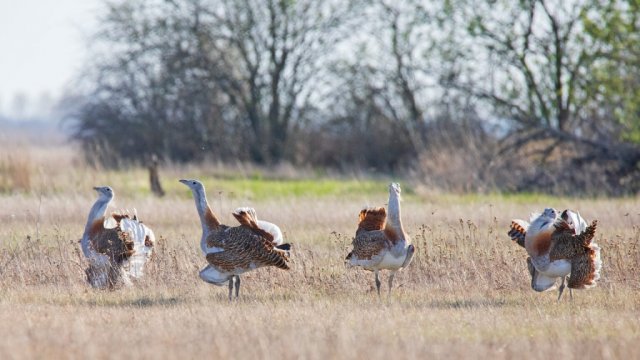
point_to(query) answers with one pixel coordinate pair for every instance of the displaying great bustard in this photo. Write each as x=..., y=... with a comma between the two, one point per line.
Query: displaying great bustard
x=559, y=246
x=117, y=246
x=232, y=251
x=381, y=242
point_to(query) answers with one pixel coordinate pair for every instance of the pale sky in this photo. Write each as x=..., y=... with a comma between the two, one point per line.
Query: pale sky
x=42, y=47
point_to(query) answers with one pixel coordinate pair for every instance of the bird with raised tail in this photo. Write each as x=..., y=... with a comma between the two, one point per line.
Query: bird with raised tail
x=381, y=242
x=232, y=251
x=559, y=246
x=117, y=246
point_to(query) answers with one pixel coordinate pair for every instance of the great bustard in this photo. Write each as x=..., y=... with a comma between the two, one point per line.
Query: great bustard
x=232, y=251
x=559, y=246
x=117, y=246
x=381, y=243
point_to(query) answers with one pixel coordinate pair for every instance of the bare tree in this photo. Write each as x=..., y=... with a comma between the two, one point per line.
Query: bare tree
x=390, y=88
x=386, y=73
x=190, y=77
x=266, y=58
x=532, y=62
x=148, y=91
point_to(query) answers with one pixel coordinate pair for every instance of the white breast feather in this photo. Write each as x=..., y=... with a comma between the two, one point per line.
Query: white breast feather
x=213, y=276
x=392, y=262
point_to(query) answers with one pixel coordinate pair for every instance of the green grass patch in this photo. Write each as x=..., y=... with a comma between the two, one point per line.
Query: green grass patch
x=515, y=198
x=520, y=198
x=262, y=189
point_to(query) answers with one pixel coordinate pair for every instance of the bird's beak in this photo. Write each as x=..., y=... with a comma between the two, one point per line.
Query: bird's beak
x=96, y=188
x=183, y=181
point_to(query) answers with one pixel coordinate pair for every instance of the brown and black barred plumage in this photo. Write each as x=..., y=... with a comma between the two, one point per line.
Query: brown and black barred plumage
x=371, y=238
x=244, y=247
x=518, y=231
x=232, y=250
x=381, y=242
x=113, y=242
x=567, y=245
x=117, y=246
x=566, y=239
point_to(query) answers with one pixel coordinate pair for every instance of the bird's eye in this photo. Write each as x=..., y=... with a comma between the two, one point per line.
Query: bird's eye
x=193, y=182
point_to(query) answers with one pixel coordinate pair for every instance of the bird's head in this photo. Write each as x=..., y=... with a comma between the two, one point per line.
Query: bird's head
x=394, y=190
x=549, y=213
x=543, y=221
x=104, y=192
x=195, y=185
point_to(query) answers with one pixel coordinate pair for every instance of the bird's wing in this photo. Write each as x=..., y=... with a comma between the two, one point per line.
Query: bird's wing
x=518, y=231
x=112, y=221
x=143, y=240
x=567, y=245
x=371, y=219
x=242, y=247
x=585, y=269
x=247, y=217
x=113, y=243
x=367, y=245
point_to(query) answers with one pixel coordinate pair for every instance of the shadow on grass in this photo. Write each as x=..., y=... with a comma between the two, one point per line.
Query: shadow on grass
x=252, y=298
x=141, y=302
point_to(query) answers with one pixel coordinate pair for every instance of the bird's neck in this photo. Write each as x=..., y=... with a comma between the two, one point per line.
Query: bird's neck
x=393, y=217
x=538, y=238
x=541, y=225
x=97, y=211
x=208, y=219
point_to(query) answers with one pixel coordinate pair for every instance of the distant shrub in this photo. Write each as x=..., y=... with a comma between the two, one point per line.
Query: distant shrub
x=15, y=172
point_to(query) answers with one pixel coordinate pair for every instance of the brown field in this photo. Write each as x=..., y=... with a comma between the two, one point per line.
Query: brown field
x=466, y=294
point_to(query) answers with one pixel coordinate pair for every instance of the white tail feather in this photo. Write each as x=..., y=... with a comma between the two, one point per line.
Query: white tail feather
x=272, y=229
x=140, y=234
x=269, y=227
x=598, y=265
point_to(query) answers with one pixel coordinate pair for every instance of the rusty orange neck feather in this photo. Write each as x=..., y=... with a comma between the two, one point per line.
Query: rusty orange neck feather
x=210, y=219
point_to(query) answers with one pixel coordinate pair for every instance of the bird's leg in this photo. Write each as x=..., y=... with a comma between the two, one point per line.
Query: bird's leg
x=377, y=282
x=562, y=288
x=237, y=285
x=230, y=287
x=393, y=274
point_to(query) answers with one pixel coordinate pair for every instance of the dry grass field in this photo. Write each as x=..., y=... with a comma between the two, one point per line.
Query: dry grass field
x=466, y=294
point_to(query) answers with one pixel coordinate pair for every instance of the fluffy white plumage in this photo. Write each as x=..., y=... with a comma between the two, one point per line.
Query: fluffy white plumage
x=141, y=236
x=213, y=276
x=272, y=229
x=102, y=268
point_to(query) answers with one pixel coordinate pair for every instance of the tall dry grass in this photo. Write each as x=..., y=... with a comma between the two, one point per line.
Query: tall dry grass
x=15, y=172
x=466, y=294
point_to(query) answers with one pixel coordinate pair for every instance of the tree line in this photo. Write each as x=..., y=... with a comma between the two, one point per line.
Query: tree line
x=467, y=95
